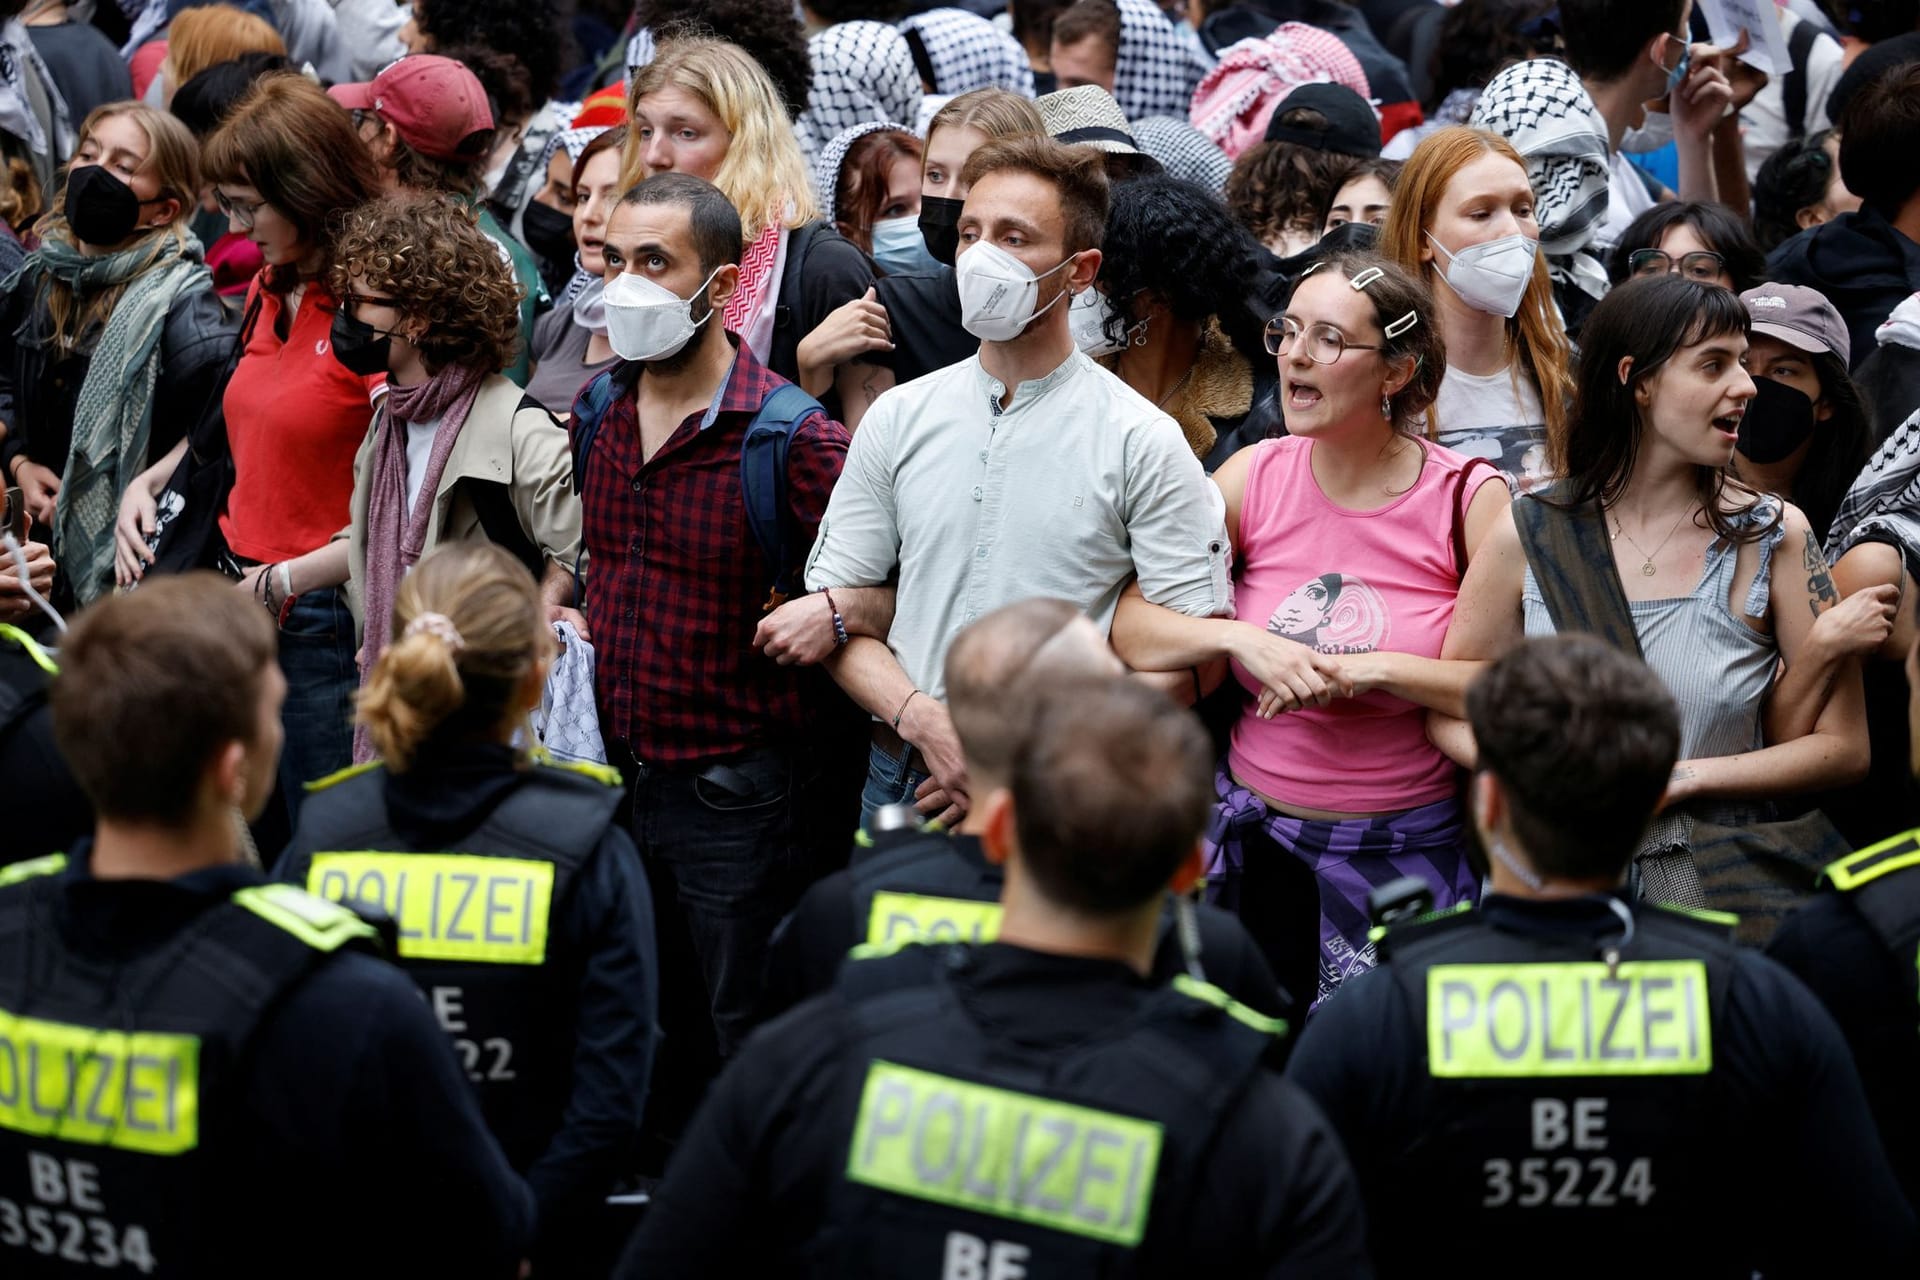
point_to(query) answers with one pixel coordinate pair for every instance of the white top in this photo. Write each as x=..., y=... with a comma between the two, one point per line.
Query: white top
x=1069, y=492
x=1484, y=416
x=1627, y=199
x=1763, y=122
x=419, y=450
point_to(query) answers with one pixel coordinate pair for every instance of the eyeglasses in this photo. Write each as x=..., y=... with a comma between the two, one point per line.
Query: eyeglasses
x=1699, y=265
x=353, y=300
x=242, y=212
x=1325, y=344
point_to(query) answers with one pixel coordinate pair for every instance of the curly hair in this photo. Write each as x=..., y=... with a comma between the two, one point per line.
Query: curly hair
x=429, y=252
x=538, y=32
x=767, y=29
x=1278, y=186
x=1177, y=241
x=503, y=78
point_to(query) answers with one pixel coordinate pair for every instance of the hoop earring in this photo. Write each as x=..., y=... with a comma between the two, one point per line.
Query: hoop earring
x=1138, y=334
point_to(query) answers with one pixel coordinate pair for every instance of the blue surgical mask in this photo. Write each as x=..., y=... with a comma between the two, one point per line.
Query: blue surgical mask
x=1679, y=73
x=900, y=249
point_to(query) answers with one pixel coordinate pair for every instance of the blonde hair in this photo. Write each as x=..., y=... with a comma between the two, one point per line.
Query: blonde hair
x=20, y=196
x=763, y=175
x=997, y=113
x=1535, y=332
x=212, y=34
x=429, y=684
x=173, y=157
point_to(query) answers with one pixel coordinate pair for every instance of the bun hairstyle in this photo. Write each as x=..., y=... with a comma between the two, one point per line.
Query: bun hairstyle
x=467, y=628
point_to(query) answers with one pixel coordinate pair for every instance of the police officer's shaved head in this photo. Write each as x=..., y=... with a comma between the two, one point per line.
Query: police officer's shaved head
x=993, y=662
x=1111, y=786
x=1582, y=739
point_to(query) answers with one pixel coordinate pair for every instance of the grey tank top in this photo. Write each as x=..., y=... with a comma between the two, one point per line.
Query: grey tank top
x=1718, y=668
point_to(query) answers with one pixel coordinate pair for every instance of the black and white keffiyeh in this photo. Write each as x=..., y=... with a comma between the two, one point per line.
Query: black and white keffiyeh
x=1183, y=151
x=18, y=59
x=1157, y=68
x=1541, y=107
x=862, y=72
x=965, y=52
x=573, y=141
x=826, y=170
x=1883, y=504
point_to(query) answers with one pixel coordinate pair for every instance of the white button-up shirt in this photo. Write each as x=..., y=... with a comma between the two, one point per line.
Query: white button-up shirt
x=1070, y=492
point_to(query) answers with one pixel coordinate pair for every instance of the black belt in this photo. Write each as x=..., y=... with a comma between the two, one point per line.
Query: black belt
x=729, y=779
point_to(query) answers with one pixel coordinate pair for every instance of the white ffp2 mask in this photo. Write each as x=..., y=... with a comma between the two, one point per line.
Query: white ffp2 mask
x=1491, y=277
x=646, y=321
x=998, y=292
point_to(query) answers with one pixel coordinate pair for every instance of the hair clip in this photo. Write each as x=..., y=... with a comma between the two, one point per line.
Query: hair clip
x=1403, y=324
x=439, y=625
x=1365, y=278
x=1310, y=270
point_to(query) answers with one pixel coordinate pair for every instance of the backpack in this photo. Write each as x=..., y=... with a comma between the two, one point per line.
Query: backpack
x=763, y=471
x=1793, y=90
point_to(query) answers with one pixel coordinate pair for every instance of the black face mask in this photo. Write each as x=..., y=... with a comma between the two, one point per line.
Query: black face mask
x=359, y=346
x=101, y=209
x=940, y=226
x=549, y=233
x=1779, y=419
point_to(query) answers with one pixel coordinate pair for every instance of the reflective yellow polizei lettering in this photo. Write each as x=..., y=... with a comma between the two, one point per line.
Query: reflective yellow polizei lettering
x=1650, y=1018
x=449, y=906
x=1013, y=1155
x=138, y=1090
x=923, y=918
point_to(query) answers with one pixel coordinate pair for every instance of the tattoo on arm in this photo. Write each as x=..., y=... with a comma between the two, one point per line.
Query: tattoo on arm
x=870, y=391
x=1819, y=578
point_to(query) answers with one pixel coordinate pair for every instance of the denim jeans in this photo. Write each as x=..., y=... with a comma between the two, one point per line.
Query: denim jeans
x=890, y=780
x=316, y=657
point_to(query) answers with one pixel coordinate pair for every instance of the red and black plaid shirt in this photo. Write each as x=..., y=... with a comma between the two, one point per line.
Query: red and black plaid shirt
x=676, y=581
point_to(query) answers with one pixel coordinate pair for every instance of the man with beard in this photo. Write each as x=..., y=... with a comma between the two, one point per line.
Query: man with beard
x=1027, y=470
x=711, y=735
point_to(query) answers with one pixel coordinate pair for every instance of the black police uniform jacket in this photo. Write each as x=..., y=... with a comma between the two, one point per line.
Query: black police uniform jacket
x=924, y=885
x=959, y=1110
x=1857, y=946
x=205, y=1077
x=1533, y=1088
x=524, y=917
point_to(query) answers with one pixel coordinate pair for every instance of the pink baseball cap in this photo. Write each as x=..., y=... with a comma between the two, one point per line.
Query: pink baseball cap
x=435, y=104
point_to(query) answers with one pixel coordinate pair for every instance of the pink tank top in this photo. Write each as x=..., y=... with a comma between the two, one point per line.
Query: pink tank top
x=1347, y=582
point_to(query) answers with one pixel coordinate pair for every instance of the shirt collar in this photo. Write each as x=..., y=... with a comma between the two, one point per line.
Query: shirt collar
x=1032, y=388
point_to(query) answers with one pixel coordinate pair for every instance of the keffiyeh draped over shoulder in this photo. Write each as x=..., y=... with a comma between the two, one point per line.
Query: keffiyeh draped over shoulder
x=964, y=52
x=1157, y=68
x=1541, y=107
x=1884, y=503
x=826, y=170
x=862, y=72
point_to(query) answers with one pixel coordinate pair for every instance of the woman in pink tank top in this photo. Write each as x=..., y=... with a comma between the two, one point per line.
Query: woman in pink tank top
x=1350, y=536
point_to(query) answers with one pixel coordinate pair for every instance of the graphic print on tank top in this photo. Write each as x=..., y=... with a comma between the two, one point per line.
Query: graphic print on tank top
x=1334, y=613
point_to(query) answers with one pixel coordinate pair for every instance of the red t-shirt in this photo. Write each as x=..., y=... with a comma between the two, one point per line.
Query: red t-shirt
x=295, y=418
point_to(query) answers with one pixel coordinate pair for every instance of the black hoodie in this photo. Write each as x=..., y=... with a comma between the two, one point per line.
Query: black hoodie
x=1862, y=264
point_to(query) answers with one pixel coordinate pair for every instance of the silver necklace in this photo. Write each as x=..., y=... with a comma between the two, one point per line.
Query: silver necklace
x=1647, y=569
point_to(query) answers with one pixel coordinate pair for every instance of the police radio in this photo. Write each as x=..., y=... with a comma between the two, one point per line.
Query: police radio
x=1403, y=899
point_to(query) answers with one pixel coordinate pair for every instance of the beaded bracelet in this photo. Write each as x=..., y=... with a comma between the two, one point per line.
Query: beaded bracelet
x=840, y=636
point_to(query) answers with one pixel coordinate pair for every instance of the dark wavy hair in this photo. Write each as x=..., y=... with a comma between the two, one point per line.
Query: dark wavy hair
x=429, y=252
x=767, y=29
x=1178, y=242
x=1277, y=185
x=1648, y=320
x=1796, y=175
x=537, y=32
x=1718, y=227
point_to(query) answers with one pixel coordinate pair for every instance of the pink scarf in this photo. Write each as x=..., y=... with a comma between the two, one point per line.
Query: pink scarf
x=396, y=537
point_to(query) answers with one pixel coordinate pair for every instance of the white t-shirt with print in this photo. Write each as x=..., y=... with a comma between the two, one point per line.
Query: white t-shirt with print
x=1485, y=416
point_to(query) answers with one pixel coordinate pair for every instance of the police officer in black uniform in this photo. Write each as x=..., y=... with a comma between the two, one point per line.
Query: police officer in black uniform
x=45, y=810
x=908, y=881
x=203, y=1074
x=1565, y=1083
x=521, y=907
x=1036, y=1105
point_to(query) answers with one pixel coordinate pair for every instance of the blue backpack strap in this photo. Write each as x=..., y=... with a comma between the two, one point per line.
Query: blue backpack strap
x=589, y=411
x=763, y=485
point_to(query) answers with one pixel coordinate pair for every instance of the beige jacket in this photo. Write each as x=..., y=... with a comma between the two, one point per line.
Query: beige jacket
x=503, y=442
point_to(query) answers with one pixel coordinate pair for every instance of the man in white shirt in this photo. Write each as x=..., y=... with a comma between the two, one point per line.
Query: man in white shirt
x=1024, y=471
